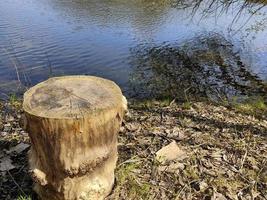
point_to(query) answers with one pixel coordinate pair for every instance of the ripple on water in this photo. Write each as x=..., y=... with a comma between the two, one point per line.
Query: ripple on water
x=53, y=37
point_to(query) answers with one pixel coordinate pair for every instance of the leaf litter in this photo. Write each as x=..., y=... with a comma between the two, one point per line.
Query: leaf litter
x=208, y=151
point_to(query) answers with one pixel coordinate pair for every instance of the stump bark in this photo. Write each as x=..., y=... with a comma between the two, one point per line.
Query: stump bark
x=73, y=123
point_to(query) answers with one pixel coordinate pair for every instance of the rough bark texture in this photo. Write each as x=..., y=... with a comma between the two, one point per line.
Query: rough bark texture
x=73, y=123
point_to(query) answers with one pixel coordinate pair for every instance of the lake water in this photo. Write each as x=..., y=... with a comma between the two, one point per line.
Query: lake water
x=149, y=48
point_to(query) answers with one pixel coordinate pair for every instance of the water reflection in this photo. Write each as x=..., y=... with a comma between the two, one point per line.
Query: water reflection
x=207, y=66
x=98, y=37
x=144, y=17
x=146, y=14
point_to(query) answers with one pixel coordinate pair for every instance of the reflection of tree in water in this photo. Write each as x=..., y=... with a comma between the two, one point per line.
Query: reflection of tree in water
x=217, y=6
x=242, y=11
x=145, y=13
x=141, y=14
x=206, y=66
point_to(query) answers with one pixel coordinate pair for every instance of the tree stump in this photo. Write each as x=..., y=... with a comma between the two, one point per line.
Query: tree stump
x=73, y=123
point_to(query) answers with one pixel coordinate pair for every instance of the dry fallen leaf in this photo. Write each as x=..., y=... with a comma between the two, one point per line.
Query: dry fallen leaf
x=6, y=164
x=19, y=148
x=218, y=196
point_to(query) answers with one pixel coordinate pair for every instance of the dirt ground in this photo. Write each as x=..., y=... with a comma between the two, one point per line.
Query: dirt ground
x=219, y=153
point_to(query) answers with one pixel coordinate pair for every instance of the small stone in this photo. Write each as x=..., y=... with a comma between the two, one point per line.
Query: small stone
x=170, y=152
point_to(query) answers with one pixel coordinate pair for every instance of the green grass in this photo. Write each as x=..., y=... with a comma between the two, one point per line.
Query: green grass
x=150, y=103
x=13, y=98
x=22, y=197
x=252, y=106
x=127, y=178
x=14, y=101
x=187, y=105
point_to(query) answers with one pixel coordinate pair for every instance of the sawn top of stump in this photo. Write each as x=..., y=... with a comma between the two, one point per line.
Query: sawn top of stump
x=71, y=96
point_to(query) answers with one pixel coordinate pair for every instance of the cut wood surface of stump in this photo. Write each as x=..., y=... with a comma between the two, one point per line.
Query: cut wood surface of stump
x=73, y=123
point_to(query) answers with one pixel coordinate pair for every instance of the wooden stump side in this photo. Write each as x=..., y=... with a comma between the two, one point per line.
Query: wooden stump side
x=74, y=150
